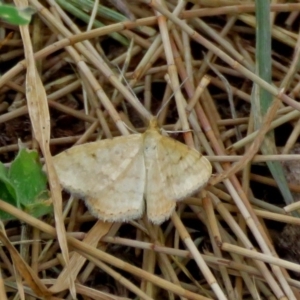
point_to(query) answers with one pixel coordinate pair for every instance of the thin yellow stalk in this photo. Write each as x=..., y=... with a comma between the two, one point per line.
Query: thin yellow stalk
x=245, y=241
x=148, y=264
x=292, y=138
x=88, y=133
x=2, y=287
x=164, y=262
x=239, y=8
x=237, y=259
x=268, y=215
x=197, y=94
x=165, y=105
x=279, y=121
x=147, y=92
x=197, y=257
x=177, y=40
x=285, y=36
x=187, y=54
x=260, y=256
x=292, y=207
x=172, y=72
x=94, y=294
x=215, y=238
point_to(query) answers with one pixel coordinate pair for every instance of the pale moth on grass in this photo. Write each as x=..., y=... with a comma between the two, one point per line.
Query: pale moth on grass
x=118, y=177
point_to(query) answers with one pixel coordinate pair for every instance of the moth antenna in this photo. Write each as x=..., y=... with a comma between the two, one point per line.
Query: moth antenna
x=229, y=93
x=123, y=71
x=167, y=102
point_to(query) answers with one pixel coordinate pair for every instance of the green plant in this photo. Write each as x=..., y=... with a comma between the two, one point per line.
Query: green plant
x=14, y=15
x=24, y=185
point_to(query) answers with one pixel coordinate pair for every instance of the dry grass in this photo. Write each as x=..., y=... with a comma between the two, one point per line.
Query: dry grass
x=197, y=64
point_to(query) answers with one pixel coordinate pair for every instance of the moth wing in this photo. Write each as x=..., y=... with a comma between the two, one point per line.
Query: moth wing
x=186, y=170
x=174, y=171
x=109, y=175
x=159, y=205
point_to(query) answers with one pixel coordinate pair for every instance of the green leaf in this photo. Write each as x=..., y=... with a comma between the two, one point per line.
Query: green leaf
x=28, y=178
x=7, y=192
x=40, y=207
x=24, y=185
x=16, y=16
x=261, y=99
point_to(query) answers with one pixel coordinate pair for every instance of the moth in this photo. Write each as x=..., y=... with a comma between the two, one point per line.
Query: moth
x=120, y=178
